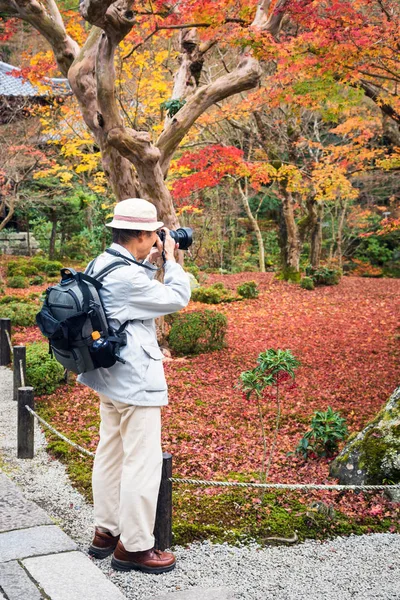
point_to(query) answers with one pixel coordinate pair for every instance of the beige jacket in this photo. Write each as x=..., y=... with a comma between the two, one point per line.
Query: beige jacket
x=131, y=294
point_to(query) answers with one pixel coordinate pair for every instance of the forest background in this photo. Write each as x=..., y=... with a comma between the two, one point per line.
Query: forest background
x=302, y=168
x=272, y=129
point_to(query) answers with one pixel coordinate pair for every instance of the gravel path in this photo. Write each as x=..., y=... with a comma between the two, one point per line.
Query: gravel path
x=345, y=568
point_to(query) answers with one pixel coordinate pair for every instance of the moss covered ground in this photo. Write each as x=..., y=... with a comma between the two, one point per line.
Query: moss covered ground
x=346, y=338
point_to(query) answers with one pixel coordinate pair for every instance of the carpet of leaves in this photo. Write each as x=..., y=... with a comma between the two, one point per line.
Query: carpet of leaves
x=347, y=338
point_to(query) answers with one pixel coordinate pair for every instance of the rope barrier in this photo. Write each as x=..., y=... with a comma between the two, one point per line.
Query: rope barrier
x=283, y=486
x=60, y=435
x=9, y=341
x=21, y=372
x=205, y=483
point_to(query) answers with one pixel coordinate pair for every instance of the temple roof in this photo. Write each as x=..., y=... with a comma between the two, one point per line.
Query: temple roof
x=18, y=86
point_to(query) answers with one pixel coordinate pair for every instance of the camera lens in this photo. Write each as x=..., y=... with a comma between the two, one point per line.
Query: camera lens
x=183, y=236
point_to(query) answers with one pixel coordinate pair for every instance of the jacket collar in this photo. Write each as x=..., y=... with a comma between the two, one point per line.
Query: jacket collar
x=123, y=251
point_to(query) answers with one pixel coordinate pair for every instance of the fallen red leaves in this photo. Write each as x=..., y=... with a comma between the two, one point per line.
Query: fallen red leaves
x=347, y=338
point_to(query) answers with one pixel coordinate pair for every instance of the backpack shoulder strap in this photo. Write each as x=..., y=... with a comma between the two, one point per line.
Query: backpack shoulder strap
x=116, y=264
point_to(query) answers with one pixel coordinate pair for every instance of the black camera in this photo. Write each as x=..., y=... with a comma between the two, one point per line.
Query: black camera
x=182, y=236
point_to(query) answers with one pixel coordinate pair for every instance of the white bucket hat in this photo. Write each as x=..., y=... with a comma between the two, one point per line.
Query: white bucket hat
x=135, y=213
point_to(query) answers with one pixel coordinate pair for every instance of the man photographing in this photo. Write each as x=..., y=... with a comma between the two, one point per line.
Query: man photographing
x=128, y=462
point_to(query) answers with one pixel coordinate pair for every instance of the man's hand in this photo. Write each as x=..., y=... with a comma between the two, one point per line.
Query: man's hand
x=154, y=255
x=169, y=245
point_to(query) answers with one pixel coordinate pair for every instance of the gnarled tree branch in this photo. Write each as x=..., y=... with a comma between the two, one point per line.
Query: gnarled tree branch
x=245, y=77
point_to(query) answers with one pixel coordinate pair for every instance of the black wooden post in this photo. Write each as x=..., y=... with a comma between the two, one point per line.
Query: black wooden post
x=163, y=526
x=25, y=423
x=5, y=337
x=19, y=355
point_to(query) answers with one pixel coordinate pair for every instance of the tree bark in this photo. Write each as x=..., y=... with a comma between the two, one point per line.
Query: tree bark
x=315, y=214
x=291, y=254
x=52, y=246
x=339, y=234
x=254, y=223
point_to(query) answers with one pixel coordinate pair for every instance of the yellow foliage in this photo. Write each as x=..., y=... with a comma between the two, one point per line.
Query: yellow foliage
x=330, y=183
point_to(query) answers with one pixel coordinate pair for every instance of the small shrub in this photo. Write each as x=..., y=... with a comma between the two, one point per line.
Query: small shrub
x=24, y=268
x=215, y=294
x=248, y=289
x=307, y=283
x=324, y=275
x=13, y=268
x=327, y=429
x=193, y=270
x=22, y=314
x=43, y=372
x=361, y=268
x=196, y=332
x=52, y=267
x=40, y=262
x=37, y=280
x=18, y=281
x=9, y=299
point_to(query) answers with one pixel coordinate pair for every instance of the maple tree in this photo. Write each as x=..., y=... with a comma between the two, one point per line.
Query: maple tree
x=312, y=66
x=91, y=72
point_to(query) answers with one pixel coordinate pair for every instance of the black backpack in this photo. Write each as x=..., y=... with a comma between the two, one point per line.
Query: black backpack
x=72, y=311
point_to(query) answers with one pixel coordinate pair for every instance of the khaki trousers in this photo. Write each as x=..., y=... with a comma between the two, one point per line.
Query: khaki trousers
x=127, y=472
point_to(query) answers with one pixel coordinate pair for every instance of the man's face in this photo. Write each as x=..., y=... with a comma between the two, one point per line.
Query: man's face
x=146, y=242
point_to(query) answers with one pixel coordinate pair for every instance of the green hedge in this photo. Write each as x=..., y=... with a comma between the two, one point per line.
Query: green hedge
x=307, y=283
x=22, y=314
x=248, y=289
x=43, y=372
x=18, y=281
x=197, y=332
x=21, y=267
x=324, y=275
x=215, y=294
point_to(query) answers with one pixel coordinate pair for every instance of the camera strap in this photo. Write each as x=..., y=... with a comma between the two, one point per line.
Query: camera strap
x=132, y=260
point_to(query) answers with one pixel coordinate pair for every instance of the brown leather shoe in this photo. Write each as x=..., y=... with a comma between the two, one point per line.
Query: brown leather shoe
x=103, y=544
x=149, y=561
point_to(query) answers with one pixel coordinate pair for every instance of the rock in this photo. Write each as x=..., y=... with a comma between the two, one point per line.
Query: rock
x=193, y=281
x=373, y=455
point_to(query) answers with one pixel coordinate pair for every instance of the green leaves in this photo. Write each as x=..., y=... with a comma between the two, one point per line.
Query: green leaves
x=271, y=365
x=172, y=106
x=327, y=429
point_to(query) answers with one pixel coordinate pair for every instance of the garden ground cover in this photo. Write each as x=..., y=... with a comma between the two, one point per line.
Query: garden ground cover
x=347, y=338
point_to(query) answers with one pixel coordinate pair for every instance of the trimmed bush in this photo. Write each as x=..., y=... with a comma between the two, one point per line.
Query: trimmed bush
x=37, y=280
x=248, y=289
x=196, y=332
x=22, y=267
x=307, y=283
x=324, y=275
x=215, y=294
x=43, y=372
x=22, y=314
x=40, y=262
x=18, y=281
x=9, y=299
x=52, y=267
x=193, y=270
